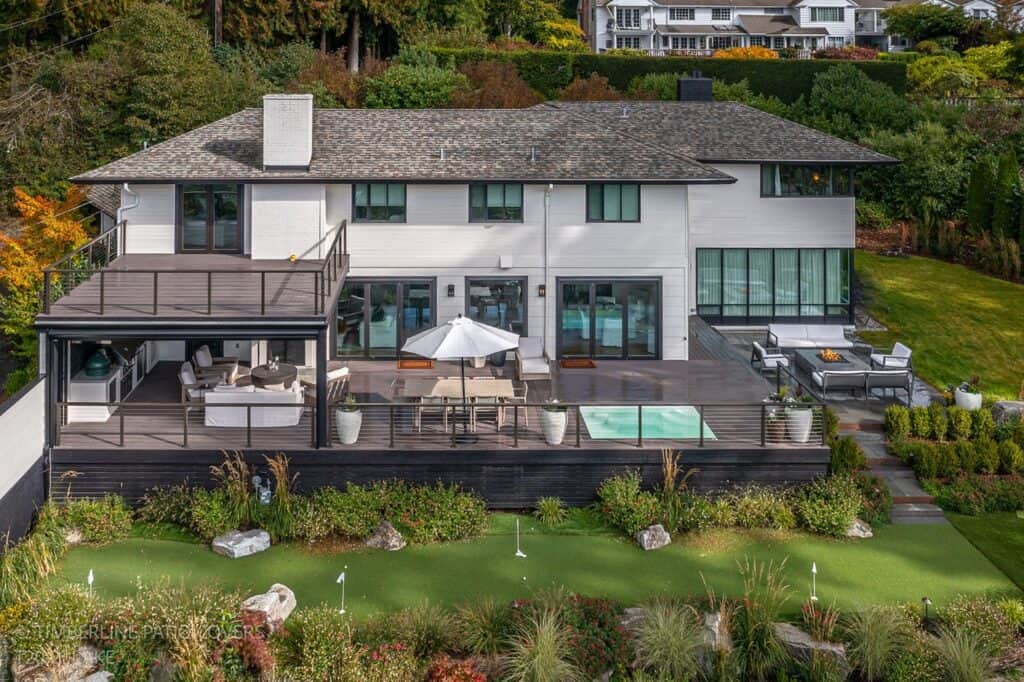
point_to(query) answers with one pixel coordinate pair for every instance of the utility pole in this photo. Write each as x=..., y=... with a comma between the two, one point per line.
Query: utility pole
x=217, y=7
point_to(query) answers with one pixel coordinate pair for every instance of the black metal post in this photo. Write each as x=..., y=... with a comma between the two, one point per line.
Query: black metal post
x=763, y=427
x=46, y=291
x=322, y=435
x=184, y=426
x=639, y=426
x=578, y=415
x=263, y=293
x=391, y=426
x=248, y=426
x=209, y=293
x=316, y=293
x=515, y=425
x=120, y=416
x=700, y=427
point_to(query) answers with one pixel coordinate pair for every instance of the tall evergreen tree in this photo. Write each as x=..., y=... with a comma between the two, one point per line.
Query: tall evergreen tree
x=1006, y=209
x=980, y=196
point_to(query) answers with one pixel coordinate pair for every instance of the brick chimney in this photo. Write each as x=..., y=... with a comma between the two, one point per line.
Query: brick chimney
x=287, y=131
x=695, y=88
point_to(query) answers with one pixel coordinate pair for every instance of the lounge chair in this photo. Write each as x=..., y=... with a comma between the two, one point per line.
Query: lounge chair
x=205, y=363
x=767, y=358
x=531, y=360
x=894, y=379
x=899, y=358
x=193, y=388
x=848, y=380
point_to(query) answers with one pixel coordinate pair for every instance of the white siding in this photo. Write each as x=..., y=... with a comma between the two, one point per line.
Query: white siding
x=149, y=227
x=23, y=425
x=286, y=219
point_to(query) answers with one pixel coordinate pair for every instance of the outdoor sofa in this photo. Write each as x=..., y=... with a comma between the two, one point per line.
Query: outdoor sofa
x=219, y=413
x=864, y=381
x=807, y=336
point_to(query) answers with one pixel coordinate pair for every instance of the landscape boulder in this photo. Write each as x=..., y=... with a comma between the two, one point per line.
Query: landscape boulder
x=632, y=617
x=1004, y=410
x=717, y=642
x=275, y=605
x=78, y=669
x=859, y=529
x=237, y=544
x=386, y=537
x=801, y=646
x=654, y=537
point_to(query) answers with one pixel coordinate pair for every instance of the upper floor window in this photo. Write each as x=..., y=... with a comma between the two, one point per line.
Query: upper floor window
x=627, y=17
x=378, y=202
x=806, y=180
x=980, y=13
x=721, y=14
x=774, y=10
x=830, y=14
x=496, y=202
x=681, y=14
x=613, y=203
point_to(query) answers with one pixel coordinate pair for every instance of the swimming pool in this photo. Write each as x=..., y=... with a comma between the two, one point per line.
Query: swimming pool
x=660, y=422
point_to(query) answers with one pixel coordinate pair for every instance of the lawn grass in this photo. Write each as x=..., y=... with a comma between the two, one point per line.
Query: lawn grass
x=902, y=563
x=999, y=536
x=958, y=322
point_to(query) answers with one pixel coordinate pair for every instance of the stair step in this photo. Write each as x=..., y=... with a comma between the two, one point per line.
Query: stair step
x=886, y=461
x=915, y=510
x=913, y=499
x=861, y=426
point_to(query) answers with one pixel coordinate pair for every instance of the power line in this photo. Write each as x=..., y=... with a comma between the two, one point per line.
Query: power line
x=23, y=22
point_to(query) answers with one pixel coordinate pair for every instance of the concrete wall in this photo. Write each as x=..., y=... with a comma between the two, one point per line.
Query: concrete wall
x=23, y=425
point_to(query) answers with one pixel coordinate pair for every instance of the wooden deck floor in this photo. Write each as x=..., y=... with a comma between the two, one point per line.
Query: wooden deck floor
x=237, y=288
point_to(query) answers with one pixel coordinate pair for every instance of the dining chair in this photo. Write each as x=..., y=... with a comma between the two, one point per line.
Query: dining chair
x=486, y=404
x=519, y=396
x=432, y=405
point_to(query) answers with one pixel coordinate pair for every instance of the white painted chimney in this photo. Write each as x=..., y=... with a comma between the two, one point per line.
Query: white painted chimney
x=287, y=131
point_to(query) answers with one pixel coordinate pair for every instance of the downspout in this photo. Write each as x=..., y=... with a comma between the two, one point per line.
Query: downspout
x=547, y=213
x=121, y=210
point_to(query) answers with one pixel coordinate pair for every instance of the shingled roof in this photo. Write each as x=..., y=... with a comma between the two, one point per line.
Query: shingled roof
x=722, y=132
x=540, y=144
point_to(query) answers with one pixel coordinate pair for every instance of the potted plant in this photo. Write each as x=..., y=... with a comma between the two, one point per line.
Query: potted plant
x=554, y=417
x=775, y=428
x=799, y=419
x=349, y=420
x=968, y=394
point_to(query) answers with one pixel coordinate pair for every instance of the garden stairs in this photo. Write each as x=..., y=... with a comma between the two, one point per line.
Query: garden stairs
x=911, y=504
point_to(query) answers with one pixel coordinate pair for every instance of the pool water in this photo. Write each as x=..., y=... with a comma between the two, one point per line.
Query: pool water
x=660, y=421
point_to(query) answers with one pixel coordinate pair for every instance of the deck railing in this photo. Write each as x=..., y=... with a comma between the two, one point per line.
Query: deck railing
x=93, y=259
x=415, y=425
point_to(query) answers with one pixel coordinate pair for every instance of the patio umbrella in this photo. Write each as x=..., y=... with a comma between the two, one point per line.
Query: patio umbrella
x=459, y=339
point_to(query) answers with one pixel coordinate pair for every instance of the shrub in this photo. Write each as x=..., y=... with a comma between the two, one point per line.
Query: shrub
x=426, y=629
x=551, y=511
x=967, y=455
x=625, y=506
x=695, y=513
x=318, y=646
x=917, y=662
x=931, y=460
x=494, y=85
x=971, y=494
x=1011, y=458
x=983, y=619
x=752, y=52
x=848, y=53
x=875, y=637
x=723, y=514
x=757, y=649
x=829, y=505
x=413, y=86
x=51, y=626
x=847, y=456
x=590, y=89
x=540, y=652
x=446, y=669
x=1013, y=610
x=897, y=422
x=959, y=423
x=172, y=504
x=982, y=424
x=877, y=499
x=212, y=514
x=831, y=424
x=920, y=422
x=873, y=215
x=758, y=507
x=24, y=566
x=661, y=86
x=100, y=521
x=963, y=656
x=438, y=513
x=668, y=641
x=988, y=456
x=939, y=421
x=483, y=626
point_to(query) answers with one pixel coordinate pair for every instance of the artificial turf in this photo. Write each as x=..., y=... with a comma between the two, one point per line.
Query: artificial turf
x=901, y=563
x=998, y=536
x=958, y=321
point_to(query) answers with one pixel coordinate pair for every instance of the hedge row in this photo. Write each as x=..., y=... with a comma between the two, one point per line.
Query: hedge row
x=548, y=72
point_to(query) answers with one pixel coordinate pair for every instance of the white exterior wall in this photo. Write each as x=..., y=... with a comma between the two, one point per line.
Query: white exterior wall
x=287, y=219
x=438, y=241
x=844, y=29
x=149, y=227
x=23, y=424
x=736, y=216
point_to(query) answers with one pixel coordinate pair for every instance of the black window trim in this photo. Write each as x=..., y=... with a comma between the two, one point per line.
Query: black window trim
x=659, y=282
x=849, y=168
x=179, y=217
x=400, y=322
x=405, y=203
x=504, y=185
x=602, y=185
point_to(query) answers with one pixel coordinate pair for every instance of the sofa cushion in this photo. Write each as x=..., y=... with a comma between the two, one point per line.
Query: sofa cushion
x=228, y=388
x=531, y=346
x=535, y=366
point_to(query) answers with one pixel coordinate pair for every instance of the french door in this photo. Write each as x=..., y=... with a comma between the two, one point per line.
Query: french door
x=210, y=219
x=376, y=317
x=616, y=319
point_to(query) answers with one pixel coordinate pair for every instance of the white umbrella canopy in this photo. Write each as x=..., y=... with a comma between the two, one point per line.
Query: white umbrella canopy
x=460, y=338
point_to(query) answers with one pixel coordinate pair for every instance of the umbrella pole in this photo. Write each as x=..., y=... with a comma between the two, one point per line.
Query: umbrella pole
x=465, y=437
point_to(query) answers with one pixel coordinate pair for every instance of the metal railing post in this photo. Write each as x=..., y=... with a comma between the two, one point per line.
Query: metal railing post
x=263, y=292
x=778, y=379
x=515, y=425
x=102, y=291
x=156, y=289
x=316, y=293
x=454, y=419
x=700, y=427
x=821, y=424
x=391, y=426
x=184, y=426
x=120, y=415
x=248, y=426
x=763, y=426
x=639, y=426
x=209, y=292
x=578, y=419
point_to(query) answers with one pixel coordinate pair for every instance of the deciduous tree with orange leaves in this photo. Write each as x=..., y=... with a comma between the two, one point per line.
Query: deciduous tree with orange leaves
x=45, y=232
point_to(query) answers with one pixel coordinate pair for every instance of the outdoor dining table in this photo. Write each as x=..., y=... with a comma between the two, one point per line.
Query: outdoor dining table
x=285, y=374
x=452, y=388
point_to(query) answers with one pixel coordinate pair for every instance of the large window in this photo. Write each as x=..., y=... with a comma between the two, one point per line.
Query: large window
x=627, y=42
x=827, y=14
x=817, y=180
x=500, y=303
x=378, y=202
x=681, y=14
x=617, y=318
x=751, y=285
x=627, y=17
x=721, y=14
x=375, y=317
x=613, y=203
x=210, y=218
x=496, y=202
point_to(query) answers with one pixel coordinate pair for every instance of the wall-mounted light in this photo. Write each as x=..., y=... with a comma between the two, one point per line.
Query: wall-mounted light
x=542, y=290
x=451, y=291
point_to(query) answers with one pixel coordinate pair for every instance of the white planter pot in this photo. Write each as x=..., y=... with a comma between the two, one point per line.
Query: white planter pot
x=798, y=424
x=553, y=423
x=348, y=424
x=478, y=363
x=968, y=401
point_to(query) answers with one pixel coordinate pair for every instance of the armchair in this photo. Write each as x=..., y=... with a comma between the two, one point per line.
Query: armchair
x=899, y=358
x=207, y=364
x=193, y=388
x=767, y=358
x=531, y=360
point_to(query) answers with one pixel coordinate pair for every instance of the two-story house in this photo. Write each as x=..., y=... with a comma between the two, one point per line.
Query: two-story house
x=667, y=26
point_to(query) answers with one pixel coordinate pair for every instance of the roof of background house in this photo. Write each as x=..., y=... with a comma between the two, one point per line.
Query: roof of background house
x=536, y=144
x=723, y=132
x=776, y=24
x=701, y=29
x=106, y=198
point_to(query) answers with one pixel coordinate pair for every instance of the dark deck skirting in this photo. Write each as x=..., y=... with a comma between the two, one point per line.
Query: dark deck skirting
x=18, y=506
x=506, y=479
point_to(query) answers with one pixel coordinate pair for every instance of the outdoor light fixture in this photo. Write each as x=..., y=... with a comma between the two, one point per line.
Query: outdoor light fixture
x=451, y=291
x=542, y=290
x=926, y=602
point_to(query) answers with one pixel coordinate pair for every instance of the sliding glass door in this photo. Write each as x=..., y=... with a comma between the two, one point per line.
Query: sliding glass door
x=616, y=319
x=375, y=317
x=210, y=218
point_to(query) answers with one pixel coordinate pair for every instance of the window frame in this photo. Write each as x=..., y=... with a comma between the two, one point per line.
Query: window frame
x=602, y=186
x=387, y=199
x=524, y=290
x=840, y=11
x=833, y=168
x=179, y=216
x=504, y=193
x=727, y=11
x=685, y=14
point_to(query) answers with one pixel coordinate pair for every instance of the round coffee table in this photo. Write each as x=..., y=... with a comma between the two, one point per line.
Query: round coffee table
x=285, y=374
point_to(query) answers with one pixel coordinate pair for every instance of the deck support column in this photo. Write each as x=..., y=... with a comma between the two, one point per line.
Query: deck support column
x=322, y=418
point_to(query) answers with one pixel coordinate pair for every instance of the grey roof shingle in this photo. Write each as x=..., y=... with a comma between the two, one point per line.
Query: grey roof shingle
x=723, y=132
x=769, y=25
x=106, y=198
x=405, y=145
